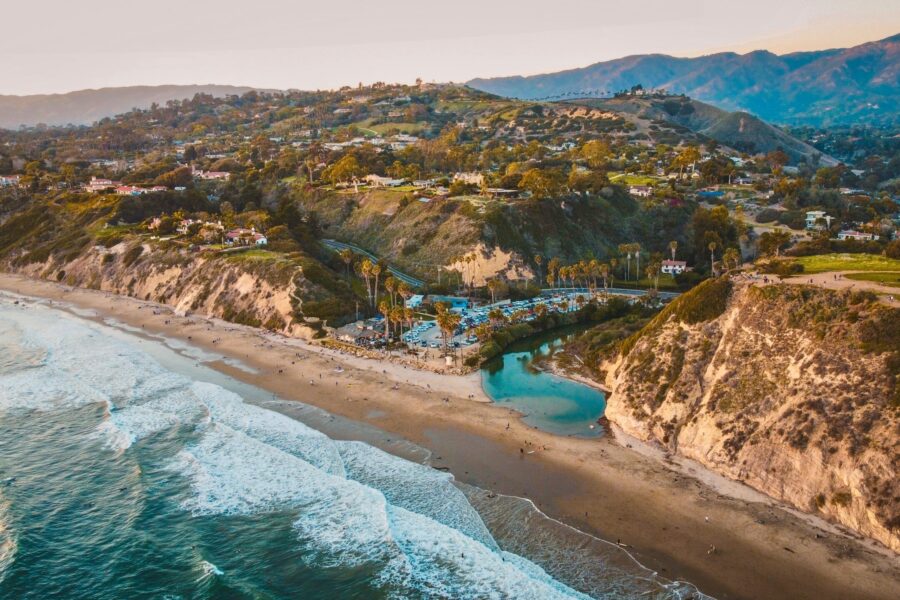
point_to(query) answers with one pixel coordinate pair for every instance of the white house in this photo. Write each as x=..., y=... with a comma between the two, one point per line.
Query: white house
x=472, y=178
x=9, y=180
x=98, y=185
x=643, y=191
x=673, y=267
x=814, y=218
x=859, y=236
x=245, y=237
x=379, y=181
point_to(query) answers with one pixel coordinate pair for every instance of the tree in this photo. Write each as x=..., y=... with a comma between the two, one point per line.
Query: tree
x=595, y=153
x=347, y=256
x=365, y=269
x=538, y=259
x=773, y=242
x=540, y=183
x=493, y=285
x=688, y=156
x=346, y=169
x=376, y=273
x=673, y=246
x=712, y=257
x=448, y=321
x=385, y=309
x=731, y=258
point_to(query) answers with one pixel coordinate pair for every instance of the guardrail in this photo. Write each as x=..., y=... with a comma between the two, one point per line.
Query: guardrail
x=409, y=279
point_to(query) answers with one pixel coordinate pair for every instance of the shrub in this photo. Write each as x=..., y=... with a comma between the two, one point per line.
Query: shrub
x=131, y=255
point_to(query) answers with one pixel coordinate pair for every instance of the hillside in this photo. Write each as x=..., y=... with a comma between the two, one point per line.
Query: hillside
x=664, y=118
x=840, y=86
x=500, y=237
x=88, y=106
x=791, y=389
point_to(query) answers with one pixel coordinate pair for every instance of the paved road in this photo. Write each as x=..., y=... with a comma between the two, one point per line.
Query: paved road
x=613, y=291
x=337, y=246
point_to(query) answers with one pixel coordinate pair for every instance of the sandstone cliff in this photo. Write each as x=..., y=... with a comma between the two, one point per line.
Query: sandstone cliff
x=790, y=389
x=250, y=290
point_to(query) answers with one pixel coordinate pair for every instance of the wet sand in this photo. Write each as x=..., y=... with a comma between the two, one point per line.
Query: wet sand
x=669, y=514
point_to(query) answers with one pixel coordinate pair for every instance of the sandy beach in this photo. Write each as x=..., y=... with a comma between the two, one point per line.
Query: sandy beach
x=670, y=514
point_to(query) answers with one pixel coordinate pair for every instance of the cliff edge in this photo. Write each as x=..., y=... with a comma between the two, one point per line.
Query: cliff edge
x=790, y=389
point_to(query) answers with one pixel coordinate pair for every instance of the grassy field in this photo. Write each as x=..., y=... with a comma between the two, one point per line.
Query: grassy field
x=847, y=262
x=633, y=179
x=889, y=279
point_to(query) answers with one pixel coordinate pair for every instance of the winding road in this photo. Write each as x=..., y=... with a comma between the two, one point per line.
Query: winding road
x=338, y=246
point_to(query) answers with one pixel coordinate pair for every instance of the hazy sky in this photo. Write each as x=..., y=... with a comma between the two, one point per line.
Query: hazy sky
x=61, y=45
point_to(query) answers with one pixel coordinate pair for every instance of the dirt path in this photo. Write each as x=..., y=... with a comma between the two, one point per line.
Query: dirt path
x=836, y=280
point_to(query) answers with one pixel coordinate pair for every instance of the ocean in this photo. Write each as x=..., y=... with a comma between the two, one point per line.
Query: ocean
x=128, y=470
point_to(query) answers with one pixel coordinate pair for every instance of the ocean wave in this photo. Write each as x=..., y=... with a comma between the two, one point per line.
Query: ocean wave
x=345, y=523
x=8, y=540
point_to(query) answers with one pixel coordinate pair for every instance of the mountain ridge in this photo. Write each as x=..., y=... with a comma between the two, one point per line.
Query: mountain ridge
x=839, y=85
x=84, y=107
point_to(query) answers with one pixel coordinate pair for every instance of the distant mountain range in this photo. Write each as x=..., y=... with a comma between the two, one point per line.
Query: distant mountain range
x=840, y=86
x=85, y=107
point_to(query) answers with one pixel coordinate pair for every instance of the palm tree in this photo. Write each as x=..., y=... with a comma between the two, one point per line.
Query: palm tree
x=376, y=272
x=612, y=271
x=604, y=273
x=625, y=249
x=538, y=260
x=637, y=254
x=447, y=321
x=365, y=269
x=385, y=309
x=712, y=258
x=673, y=246
x=347, y=256
x=493, y=285
x=390, y=286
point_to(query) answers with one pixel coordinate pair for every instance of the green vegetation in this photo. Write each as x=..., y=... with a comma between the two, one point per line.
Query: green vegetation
x=703, y=303
x=847, y=262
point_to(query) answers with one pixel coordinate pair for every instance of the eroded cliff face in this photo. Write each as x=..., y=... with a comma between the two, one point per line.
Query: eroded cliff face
x=790, y=389
x=257, y=293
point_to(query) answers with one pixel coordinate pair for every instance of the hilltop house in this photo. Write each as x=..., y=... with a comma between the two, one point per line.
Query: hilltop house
x=9, y=180
x=211, y=175
x=673, y=267
x=245, y=237
x=644, y=191
x=379, y=181
x=471, y=178
x=814, y=219
x=859, y=236
x=99, y=185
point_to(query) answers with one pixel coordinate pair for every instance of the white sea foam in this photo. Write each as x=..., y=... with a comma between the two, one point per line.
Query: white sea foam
x=270, y=427
x=418, y=488
x=8, y=540
x=351, y=505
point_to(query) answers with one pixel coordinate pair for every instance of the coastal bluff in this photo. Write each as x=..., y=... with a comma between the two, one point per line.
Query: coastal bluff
x=792, y=390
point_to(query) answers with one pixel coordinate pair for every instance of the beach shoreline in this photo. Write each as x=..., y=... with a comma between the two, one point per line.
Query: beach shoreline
x=669, y=518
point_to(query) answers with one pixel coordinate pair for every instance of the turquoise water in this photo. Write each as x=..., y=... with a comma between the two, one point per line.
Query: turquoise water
x=127, y=471
x=548, y=402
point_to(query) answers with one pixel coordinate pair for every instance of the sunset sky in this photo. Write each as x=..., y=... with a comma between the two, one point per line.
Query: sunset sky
x=63, y=45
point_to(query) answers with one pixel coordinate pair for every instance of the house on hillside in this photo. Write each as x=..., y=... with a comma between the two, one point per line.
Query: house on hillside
x=471, y=178
x=643, y=191
x=379, y=181
x=859, y=236
x=673, y=267
x=211, y=175
x=245, y=237
x=817, y=219
x=99, y=185
x=9, y=180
